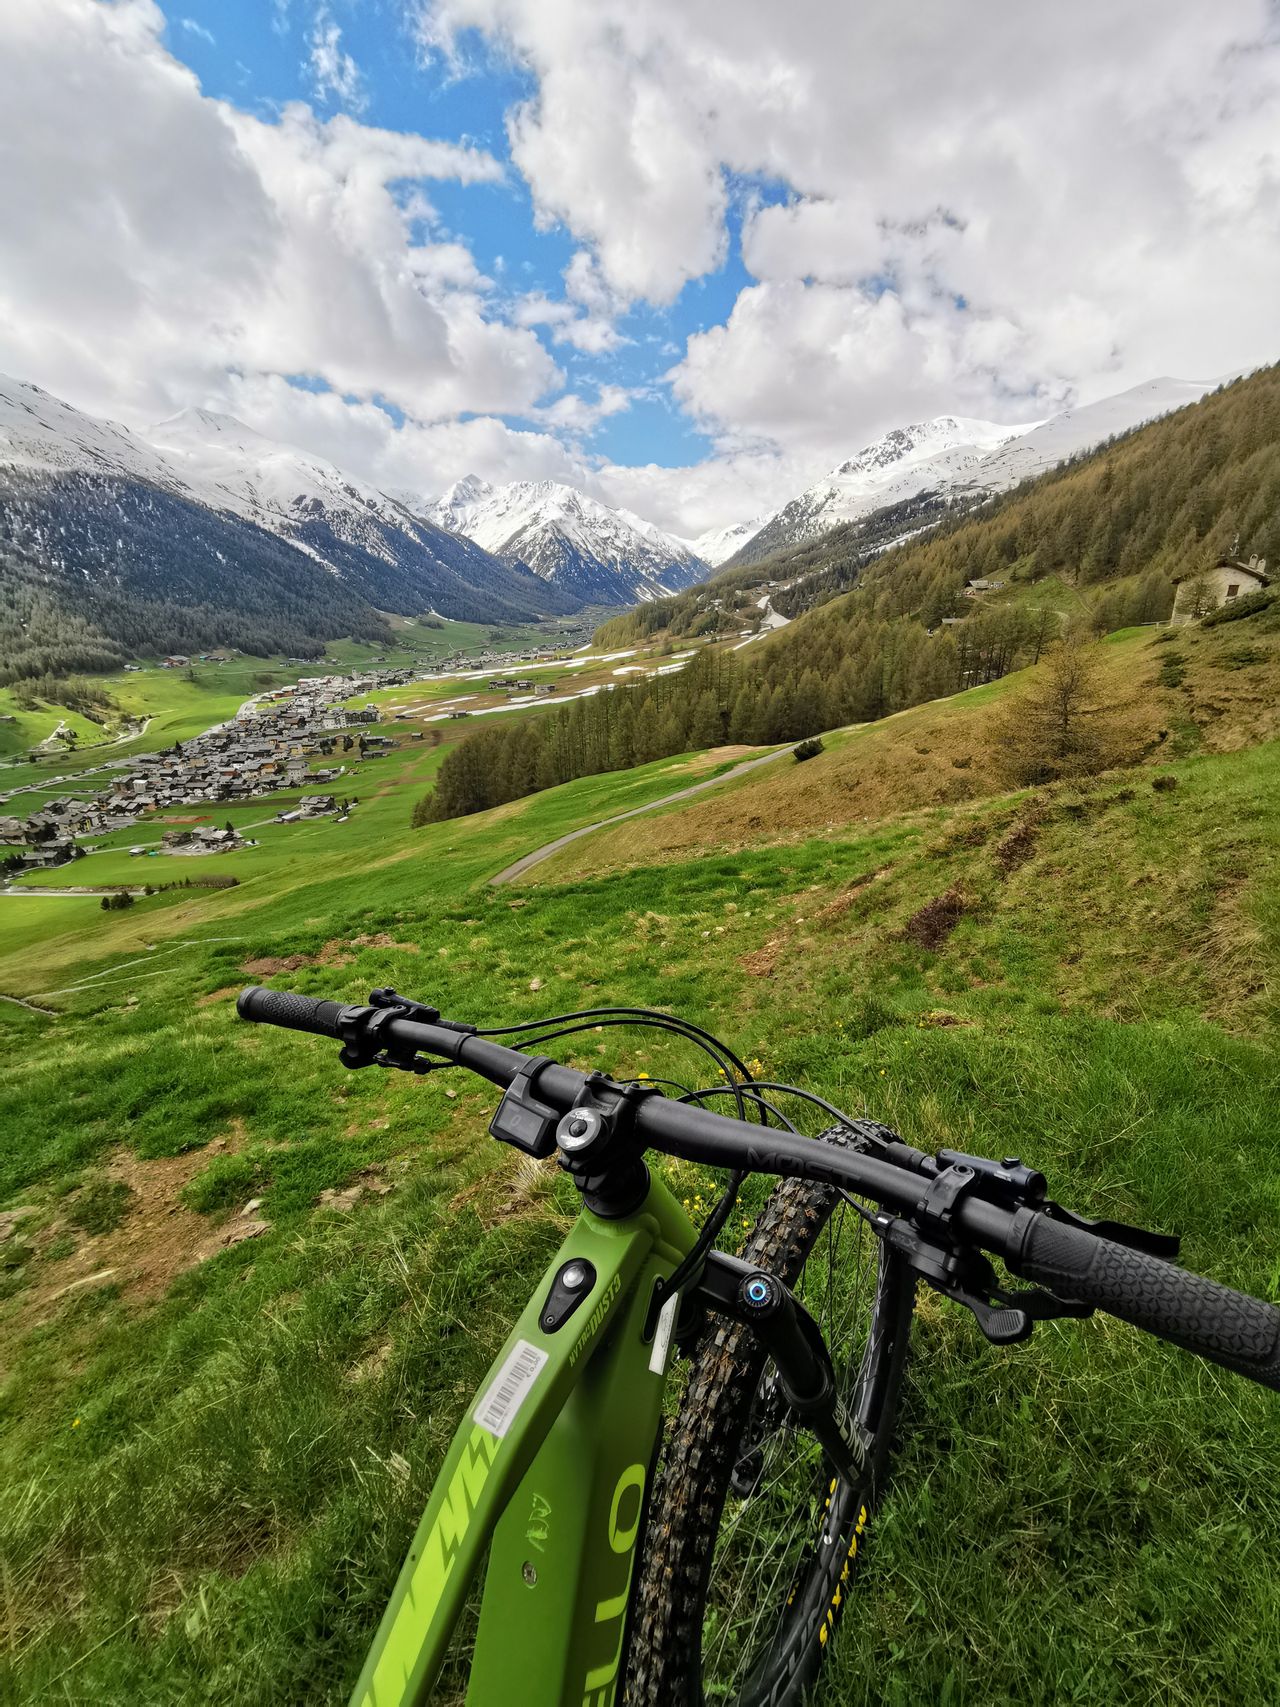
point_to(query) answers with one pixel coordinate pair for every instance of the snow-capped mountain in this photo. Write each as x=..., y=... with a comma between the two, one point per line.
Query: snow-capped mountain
x=74, y=473
x=105, y=552
x=1077, y=430
x=392, y=557
x=574, y=542
x=907, y=461
x=951, y=457
x=40, y=431
x=718, y=545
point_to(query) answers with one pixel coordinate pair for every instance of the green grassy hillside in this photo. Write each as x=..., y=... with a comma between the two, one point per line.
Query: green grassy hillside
x=215, y=1453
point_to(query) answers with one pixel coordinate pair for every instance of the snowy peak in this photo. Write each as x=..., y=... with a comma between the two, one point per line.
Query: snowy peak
x=469, y=490
x=908, y=461
x=233, y=467
x=952, y=457
x=718, y=545
x=194, y=428
x=572, y=540
x=40, y=431
x=924, y=440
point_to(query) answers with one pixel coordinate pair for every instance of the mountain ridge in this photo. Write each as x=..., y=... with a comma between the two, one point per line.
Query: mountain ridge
x=953, y=457
x=575, y=542
x=110, y=546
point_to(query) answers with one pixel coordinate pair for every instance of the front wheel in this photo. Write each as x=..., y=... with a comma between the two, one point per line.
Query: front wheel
x=752, y=1541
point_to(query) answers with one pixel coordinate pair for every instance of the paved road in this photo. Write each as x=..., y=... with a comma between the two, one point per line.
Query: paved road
x=518, y=869
x=39, y=890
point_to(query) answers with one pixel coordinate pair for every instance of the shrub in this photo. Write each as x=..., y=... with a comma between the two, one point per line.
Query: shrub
x=870, y=1016
x=1249, y=605
x=1172, y=670
x=808, y=749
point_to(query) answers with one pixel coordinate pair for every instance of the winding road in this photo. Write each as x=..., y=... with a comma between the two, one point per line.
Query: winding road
x=527, y=861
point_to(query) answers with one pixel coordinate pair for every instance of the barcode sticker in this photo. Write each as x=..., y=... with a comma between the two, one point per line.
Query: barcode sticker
x=509, y=1388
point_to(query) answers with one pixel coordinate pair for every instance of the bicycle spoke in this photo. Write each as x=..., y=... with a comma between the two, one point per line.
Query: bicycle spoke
x=764, y=1538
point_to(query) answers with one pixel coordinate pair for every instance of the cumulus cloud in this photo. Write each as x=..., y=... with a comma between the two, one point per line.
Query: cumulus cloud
x=576, y=414
x=412, y=459
x=946, y=207
x=198, y=253
x=950, y=207
x=585, y=316
x=732, y=486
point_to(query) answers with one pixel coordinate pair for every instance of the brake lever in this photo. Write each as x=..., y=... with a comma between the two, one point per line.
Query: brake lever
x=966, y=1277
x=1163, y=1245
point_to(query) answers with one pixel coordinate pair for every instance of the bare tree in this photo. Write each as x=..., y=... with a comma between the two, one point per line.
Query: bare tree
x=1058, y=725
x=1195, y=597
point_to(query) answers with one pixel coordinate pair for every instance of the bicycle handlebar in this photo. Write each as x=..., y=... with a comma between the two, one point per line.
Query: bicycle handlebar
x=294, y=1012
x=1214, y=1321
x=1200, y=1315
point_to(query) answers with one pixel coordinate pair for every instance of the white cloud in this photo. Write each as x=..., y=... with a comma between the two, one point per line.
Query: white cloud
x=575, y=414
x=729, y=487
x=195, y=29
x=946, y=207
x=413, y=458
x=194, y=241
x=333, y=71
x=584, y=317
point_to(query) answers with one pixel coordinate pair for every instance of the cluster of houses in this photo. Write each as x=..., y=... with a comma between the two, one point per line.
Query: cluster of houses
x=46, y=838
x=204, y=839
x=267, y=746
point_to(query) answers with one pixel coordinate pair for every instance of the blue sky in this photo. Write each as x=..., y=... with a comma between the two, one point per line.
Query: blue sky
x=256, y=55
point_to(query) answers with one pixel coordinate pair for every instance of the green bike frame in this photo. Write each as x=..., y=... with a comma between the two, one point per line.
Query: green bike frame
x=555, y=1486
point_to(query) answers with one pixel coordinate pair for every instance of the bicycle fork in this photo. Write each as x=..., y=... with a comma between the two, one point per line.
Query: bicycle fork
x=733, y=1288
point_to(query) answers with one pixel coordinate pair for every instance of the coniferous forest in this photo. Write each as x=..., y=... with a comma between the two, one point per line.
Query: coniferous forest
x=1116, y=524
x=1114, y=528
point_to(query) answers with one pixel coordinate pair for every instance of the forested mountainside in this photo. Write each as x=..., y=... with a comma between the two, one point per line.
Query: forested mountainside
x=396, y=558
x=796, y=579
x=1155, y=503
x=95, y=569
x=111, y=546
x=1110, y=532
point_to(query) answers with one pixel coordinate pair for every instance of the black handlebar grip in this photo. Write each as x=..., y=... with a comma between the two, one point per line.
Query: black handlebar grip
x=287, y=1008
x=1228, y=1327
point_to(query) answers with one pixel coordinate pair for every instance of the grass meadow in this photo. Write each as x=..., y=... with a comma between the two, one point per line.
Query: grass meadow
x=213, y=1467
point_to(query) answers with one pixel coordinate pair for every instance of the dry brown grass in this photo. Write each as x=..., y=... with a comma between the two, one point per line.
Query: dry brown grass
x=943, y=753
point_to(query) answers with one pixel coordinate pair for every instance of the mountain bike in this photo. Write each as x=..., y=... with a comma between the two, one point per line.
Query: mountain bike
x=708, y=1558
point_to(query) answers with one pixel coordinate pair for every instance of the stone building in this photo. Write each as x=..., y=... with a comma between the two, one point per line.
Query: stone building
x=1207, y=590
